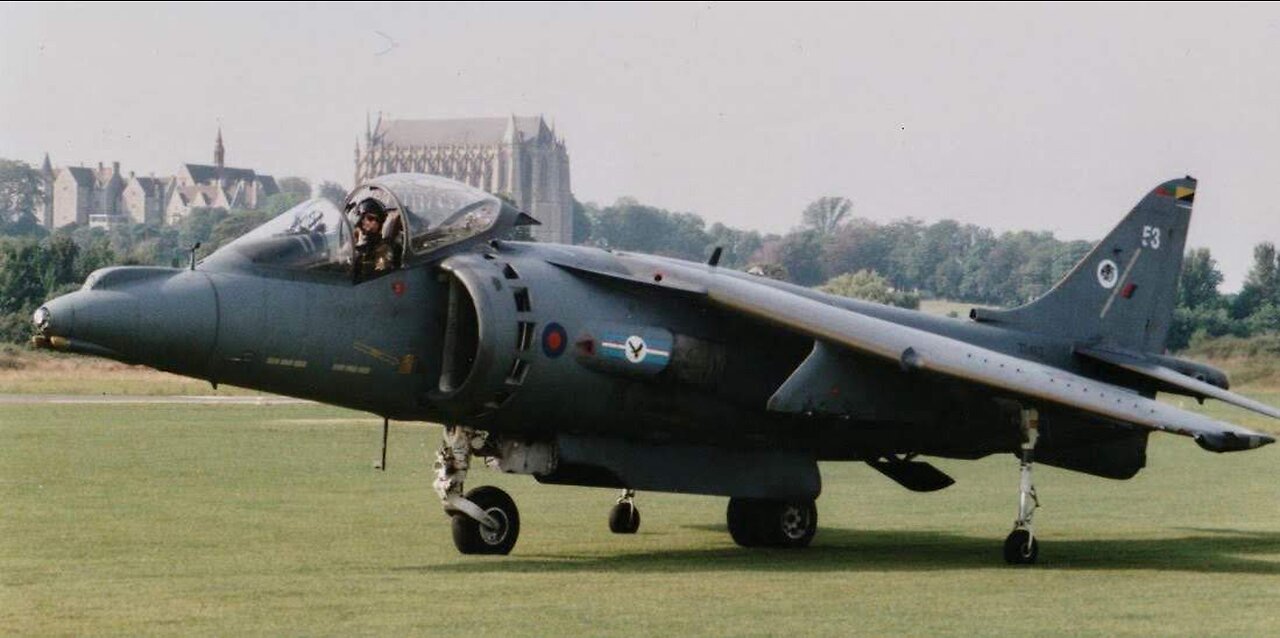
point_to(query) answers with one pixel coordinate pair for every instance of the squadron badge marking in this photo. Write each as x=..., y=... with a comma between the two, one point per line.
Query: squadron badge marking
x=1107, y=274
x=635, y=349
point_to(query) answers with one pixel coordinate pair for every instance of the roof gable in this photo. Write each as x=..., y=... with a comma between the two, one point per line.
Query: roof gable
x=82, y=176
x=207, y=174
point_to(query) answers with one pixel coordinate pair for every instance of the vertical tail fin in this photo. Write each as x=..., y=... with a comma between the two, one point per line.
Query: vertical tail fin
x=1123, y=292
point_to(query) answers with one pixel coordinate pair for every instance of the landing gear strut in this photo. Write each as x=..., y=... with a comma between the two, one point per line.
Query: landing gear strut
x=1020, y=547
x=485, y=520
x=756, y=522
x=624, y=517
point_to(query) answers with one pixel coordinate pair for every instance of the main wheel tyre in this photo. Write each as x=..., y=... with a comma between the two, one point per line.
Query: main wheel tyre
x=470, y=537
x=1020, y=548
x=772, y=523
x=743, y=521
x=624, y=518
x=790, y=524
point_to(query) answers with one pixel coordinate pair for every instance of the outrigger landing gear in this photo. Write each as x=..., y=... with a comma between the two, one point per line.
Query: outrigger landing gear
x=485, y=520
x=624, y=517
x=1020, y=547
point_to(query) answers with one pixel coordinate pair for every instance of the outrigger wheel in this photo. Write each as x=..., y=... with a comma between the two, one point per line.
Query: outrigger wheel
x=772, y=523
x=624, y=517
x=1021, y=548
x=472, y=537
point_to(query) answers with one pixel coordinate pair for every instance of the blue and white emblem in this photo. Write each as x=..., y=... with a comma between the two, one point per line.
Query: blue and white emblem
x=646, y=351
x=635, y=349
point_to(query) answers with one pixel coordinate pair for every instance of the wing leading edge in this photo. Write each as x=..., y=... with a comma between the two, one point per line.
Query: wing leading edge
x=920, y=350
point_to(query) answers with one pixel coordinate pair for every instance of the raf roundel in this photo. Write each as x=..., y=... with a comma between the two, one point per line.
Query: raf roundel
x=554, y=340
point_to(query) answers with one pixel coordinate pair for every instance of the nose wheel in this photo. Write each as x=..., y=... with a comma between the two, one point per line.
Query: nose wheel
x=485, y=520
x=473, y=537
x=624, y=517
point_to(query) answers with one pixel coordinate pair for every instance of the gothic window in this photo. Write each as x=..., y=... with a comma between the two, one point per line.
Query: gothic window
x=526, y=177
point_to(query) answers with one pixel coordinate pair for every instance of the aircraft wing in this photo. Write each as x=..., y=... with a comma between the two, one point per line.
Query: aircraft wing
x=1139, y=365
x=919, y=350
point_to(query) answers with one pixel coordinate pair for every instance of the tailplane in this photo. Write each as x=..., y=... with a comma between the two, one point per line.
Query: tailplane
x=1123, y=292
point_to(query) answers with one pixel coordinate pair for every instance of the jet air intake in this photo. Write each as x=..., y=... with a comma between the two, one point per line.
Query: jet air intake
x=484, y=350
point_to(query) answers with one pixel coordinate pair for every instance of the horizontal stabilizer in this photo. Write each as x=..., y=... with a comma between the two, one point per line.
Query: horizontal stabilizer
x=916, y=476
x=1140, y=365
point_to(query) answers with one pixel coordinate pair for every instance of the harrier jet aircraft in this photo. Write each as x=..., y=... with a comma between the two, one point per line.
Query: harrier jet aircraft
x=583, y=366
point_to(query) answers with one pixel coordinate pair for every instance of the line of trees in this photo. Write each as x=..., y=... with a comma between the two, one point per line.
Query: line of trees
x=1203, y=312
x=900, y=262
x=945, y=259
x=896, y=263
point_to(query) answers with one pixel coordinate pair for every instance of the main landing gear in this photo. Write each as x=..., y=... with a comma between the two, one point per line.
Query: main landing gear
x=756, y=522
x=624, y=517
x=485, y=520
x=1020, y=547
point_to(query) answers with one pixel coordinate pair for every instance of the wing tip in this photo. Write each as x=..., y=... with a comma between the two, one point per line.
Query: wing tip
x=1232, y=441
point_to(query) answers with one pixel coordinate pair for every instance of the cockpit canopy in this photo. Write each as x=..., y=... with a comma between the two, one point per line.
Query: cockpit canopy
x=435, y=211
x=424, y=214
x=313, y=235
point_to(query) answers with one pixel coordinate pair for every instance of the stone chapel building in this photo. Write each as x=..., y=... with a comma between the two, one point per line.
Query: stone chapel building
x=519, y=157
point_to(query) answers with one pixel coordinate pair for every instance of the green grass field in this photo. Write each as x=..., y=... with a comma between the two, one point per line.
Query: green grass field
x=225, y=520
x=943, y=307
x=27, y=371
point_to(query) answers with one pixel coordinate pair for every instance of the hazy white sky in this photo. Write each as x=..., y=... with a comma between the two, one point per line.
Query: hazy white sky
x=1051, y=117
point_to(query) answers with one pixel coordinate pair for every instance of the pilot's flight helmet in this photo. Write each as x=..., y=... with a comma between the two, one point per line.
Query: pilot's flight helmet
x=373, y=207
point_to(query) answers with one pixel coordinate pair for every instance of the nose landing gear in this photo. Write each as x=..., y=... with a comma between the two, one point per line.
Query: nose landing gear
x=485, y=520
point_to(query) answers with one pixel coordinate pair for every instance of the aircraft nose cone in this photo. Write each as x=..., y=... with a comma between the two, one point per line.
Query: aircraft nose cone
x=86, y=322
x=55, y=317
x=163, y=317
x=41, y=319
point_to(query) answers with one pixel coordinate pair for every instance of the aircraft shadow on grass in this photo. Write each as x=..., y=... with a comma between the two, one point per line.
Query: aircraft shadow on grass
x=1222, y=551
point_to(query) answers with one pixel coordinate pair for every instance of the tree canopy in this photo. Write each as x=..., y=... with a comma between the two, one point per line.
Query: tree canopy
x=868, y=285
x=295, y=186
x=333, y=192
x=827, y=213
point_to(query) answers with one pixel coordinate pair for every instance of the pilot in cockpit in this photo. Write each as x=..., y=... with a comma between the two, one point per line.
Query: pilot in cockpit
x=377, y=238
